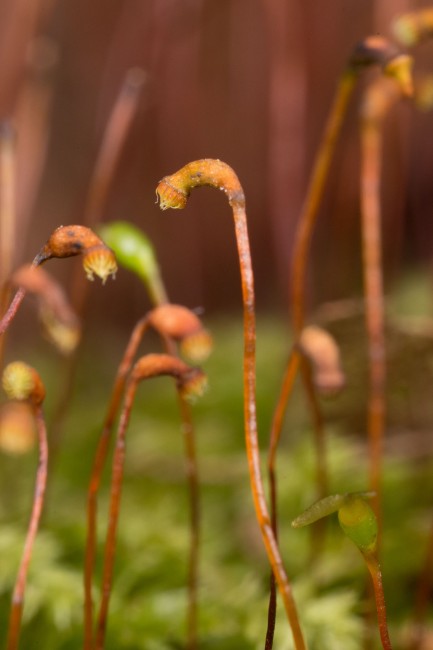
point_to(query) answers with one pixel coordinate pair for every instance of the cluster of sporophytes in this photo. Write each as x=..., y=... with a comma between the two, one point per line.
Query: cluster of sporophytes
x=314, y=354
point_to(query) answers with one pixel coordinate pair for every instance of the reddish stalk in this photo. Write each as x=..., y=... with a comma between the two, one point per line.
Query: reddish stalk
x=276, y=427
x=173, y=192
x=376, y=577
x=188, y=381
x=12, y=310
x=319, y=357
x=359, y=523
x=316, y=187
x=20, y=584
x=194, y=513
x=172, y=322
x=96, y=474
x=116, y=132
x=378, y=100
x=373, y=50
x=23, y=383
x=319, y=430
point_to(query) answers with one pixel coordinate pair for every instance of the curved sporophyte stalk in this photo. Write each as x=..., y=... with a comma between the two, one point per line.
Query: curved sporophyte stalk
x=379, y=98
x=22, y=383
x=68, y=241
x=359, y=523
x=135, y=252
x=173, y=192
x=190, y=382
x=319, y=355
x=374, y=50
x=172, y=323
x=114, y=138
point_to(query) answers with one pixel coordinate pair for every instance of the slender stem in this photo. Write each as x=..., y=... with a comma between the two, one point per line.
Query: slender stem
x=277, y=423
x=371, y=151
x=116, y=489
x=318, y=530
x=280, y=409
x=376, y=576
x=98, y=466
x=148, y=366
x=315, y=191
x=192, y=475
x=113, y=141
x=301, y=248
x=11, y=311
x=194, y=506
x=41, y=479
x=96, y=475
x=117, y=129
x=251, y=437
x=173, y=192
x=16, y=301
x=319, y=432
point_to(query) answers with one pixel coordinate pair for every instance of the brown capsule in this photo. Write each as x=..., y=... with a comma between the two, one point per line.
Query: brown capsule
x=169, y=196
x=100, y=261
x=197, y=347
x=182, y=324
x=17, y=428
x=193, y=384
x=67, y=241
x=190, y=381
x=321, y=350
x=22, y=382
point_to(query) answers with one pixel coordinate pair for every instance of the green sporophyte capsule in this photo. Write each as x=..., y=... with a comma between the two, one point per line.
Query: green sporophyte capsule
x=359, y=523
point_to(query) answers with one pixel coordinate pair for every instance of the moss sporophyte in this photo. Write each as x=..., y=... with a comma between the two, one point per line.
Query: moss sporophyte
x=21, y=382
x=358, y=521
x=173, y=192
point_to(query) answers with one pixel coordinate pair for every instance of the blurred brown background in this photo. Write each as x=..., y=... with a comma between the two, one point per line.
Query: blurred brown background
x=247, y=81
